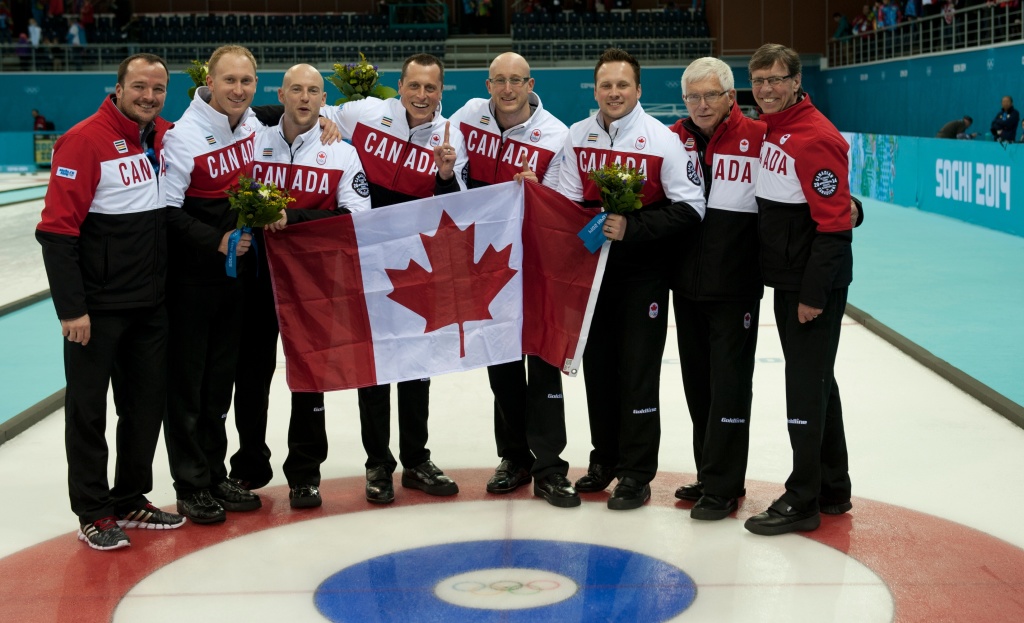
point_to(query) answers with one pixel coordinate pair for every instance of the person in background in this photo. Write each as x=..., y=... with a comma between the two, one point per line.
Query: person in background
x=957, y=128
x=511, y=136
x=103, y=233
x=39, y=122
x=1004, y=126
x=843, y=28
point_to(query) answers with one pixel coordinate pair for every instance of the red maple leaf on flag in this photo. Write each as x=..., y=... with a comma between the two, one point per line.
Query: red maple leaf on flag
x=457, y=289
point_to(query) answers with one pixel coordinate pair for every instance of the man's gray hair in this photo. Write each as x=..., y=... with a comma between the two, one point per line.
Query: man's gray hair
x=706, y=67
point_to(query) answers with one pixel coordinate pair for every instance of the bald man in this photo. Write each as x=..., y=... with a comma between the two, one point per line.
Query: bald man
x=510, y=136
x=324, y=180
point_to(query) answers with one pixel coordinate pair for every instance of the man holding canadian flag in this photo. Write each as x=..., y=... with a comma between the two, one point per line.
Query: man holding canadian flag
x=444, y=284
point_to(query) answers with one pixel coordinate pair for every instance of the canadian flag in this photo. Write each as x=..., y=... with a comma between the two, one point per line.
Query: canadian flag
x=437, y=285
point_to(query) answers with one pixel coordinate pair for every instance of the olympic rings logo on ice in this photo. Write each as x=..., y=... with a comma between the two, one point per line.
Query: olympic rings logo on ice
x=506, y=587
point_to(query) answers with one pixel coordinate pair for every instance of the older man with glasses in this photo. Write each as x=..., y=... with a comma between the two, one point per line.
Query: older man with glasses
x=510, y=136
x=716, y=286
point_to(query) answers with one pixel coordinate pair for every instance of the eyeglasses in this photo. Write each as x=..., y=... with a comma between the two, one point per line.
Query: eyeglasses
x=710, y=98
x=772, y=80
x=516, y=81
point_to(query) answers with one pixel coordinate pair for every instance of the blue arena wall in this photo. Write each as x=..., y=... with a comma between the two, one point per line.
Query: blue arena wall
x=917, y=96
x=972, y=181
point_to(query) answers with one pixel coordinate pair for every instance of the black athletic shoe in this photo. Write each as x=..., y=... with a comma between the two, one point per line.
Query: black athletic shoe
x=150, y=517
x=103, y=534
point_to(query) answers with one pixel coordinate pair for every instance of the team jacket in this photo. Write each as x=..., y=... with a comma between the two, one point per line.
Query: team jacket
x=398, y=160
x=202, y=158
x=324, y=180
x=673, y=193
x=103, y=227
x=803, y=194
x=719, y=260
x=495, y=156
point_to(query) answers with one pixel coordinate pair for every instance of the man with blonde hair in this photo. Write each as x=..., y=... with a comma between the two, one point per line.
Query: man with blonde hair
x=204, y=155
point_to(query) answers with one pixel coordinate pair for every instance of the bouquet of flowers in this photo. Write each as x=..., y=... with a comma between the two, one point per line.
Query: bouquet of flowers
x=358, y=81
x=258, y=204
x=197, y=71
x=620, y=187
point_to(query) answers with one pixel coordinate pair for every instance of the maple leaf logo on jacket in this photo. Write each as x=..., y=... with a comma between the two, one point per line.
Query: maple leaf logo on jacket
x=456, y=289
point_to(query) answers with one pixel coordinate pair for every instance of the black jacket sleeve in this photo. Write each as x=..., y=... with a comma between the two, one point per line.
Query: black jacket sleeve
x=442, y=187
x=60, y=257
x=651, y=224
x=269, y=115
x=298, y=215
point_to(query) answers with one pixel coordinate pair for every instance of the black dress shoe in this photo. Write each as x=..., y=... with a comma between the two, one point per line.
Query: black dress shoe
x=508, y=477
x=557, y=490
x=712, y=507
x=249, y=484
x=597, y=479
x=629, y=494
x=234, y=498
x=379, y=488
x=201, y=508
x=692, y=491
x=305, y=496
x=833, y=507
x=429, y=479
x=781, y=518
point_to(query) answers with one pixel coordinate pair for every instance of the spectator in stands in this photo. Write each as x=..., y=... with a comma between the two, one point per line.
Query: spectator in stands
x=76, y=39
x=1021, y=139
x=957, y=128
x=35, y=33
x=23, y=50
x=87, y=18
x=888, y=14
x=5, y=23
x=911, y=10
x=843, y=28
x=865, y=22
x=1004, y=126
x=103, y=232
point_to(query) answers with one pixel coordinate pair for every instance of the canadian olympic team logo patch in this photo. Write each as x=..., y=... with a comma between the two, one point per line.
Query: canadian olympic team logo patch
x=435, y=140
x=641, y=142
x=361, y=185
x=321, y=157
x=691, y=173
x=746, y=320
x=825, y=183
x=744, y=145
x=535, y=135
x=652, y=311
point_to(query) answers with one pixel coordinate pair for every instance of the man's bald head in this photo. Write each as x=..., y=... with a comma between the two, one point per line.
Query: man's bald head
x=510, y=85
x=302, y=93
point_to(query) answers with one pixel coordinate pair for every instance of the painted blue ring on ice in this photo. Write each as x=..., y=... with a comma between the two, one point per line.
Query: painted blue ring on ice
x=513, y=581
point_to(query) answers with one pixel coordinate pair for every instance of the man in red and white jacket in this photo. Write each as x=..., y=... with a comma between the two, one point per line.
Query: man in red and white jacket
x=803, y=195
x=622, y=360
x=103, y=233
x=408, y=151
x=510, y=136
x=325, y=181
x=716, y=286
